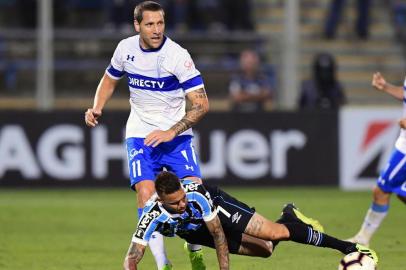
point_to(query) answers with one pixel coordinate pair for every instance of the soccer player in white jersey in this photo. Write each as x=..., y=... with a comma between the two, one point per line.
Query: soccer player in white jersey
x=161, y=76
x=393, y=178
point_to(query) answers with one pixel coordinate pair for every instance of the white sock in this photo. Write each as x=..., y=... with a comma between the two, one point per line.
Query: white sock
x=194, y=247
x=156, y=244
x=372, y=221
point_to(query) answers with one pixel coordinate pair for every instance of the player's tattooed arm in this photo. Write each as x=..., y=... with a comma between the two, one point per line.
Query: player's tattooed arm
x=134, y=256
x=216, y=230
x=199, y=107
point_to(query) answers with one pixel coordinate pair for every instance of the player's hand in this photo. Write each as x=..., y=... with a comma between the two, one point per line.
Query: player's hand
x=129, y=264
x=159, y=136
x=378, y=81
x=91, y=116
x=402, y=123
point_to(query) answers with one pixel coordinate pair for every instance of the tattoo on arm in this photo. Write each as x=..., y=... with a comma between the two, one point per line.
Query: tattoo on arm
x=198, y=109
x=220, y=242
x=136, y=252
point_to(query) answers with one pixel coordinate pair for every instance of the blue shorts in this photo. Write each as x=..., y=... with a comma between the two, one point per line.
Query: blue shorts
x=177, y=156
x=393, y=178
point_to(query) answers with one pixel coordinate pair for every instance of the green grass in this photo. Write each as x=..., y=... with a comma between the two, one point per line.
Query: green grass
x=91, y=229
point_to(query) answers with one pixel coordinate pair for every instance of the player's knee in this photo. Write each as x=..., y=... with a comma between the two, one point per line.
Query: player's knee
x=278, y=232
x=144, y=193
x=380, y=196
x=267, y=250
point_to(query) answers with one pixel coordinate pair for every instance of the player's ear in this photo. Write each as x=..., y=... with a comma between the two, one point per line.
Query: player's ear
x=136, y=26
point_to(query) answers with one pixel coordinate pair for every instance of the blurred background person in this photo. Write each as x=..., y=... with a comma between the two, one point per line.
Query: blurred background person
x=399, y=18
x=335, y=14
x=250, y=88
x=322, y=90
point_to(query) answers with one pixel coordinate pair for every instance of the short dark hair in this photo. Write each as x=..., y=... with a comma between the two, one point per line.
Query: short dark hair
x=146, y=5
x=167, y=183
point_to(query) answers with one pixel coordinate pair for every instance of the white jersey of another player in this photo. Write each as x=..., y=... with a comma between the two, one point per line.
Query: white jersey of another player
x=158, y=80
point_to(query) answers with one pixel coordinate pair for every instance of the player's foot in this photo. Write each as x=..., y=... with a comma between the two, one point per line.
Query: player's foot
x=291, y=212
x=358, y=240
x=196, y=258
x=167, y=267
x=367, y=251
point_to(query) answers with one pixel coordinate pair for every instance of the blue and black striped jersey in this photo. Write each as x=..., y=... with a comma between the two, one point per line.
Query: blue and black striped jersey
x=156, y=218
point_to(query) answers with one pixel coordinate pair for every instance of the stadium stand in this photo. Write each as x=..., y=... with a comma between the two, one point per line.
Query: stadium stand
x=82, y=54
x=357, y=59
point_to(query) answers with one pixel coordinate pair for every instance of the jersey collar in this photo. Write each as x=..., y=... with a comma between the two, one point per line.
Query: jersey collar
x=153, y=50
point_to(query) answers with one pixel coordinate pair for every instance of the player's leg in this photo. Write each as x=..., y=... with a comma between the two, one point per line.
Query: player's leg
x=299, y=232
x=180, y=157
x=142, y=175
x=374, y=217
x=391, y=180
x=252, y=246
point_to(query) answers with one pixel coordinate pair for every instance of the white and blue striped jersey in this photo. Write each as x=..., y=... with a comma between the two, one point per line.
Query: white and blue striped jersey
x=156, y=218
x=401, y=141
x=158, y=80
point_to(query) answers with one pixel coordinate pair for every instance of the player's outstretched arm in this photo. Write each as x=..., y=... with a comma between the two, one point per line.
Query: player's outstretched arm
x=134, y=256
x=379, y=82
x=103, y=93
x=216, y=230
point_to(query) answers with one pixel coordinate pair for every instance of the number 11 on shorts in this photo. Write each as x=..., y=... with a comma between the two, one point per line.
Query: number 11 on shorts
x=136, y=166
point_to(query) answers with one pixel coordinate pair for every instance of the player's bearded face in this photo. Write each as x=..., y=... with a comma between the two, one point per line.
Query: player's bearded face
x=175, y=202
x=151, y=29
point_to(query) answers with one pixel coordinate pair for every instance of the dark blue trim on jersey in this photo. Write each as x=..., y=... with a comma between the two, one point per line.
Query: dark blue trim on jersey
x=140, y=82
x=404, y=100
x=153, y=50
x=195, y=81
x=115, y=72
x=242, y=209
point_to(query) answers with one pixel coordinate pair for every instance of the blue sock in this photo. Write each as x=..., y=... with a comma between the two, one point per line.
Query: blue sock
x=379, y=208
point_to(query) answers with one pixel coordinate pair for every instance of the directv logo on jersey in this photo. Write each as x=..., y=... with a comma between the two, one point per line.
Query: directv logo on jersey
x=145, y=83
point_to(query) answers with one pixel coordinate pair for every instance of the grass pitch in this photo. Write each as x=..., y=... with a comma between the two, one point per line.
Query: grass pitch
x=90, y=229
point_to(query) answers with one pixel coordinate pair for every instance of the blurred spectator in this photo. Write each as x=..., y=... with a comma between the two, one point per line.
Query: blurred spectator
x=335, y=14
x=399, y=18
x=323, y=90
x=251, y=87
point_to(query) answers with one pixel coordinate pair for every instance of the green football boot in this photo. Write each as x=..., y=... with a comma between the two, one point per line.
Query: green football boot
x=196, y=258
x=292, y=213
x=367, y=251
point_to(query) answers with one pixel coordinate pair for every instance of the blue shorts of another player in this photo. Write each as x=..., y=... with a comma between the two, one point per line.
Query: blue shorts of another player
x=393, y=178
x=177, y=156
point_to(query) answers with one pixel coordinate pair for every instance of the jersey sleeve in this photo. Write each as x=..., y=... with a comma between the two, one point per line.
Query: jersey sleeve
x=189, y=77
x=147, y=224
x=202, y=198
x=116, y=68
